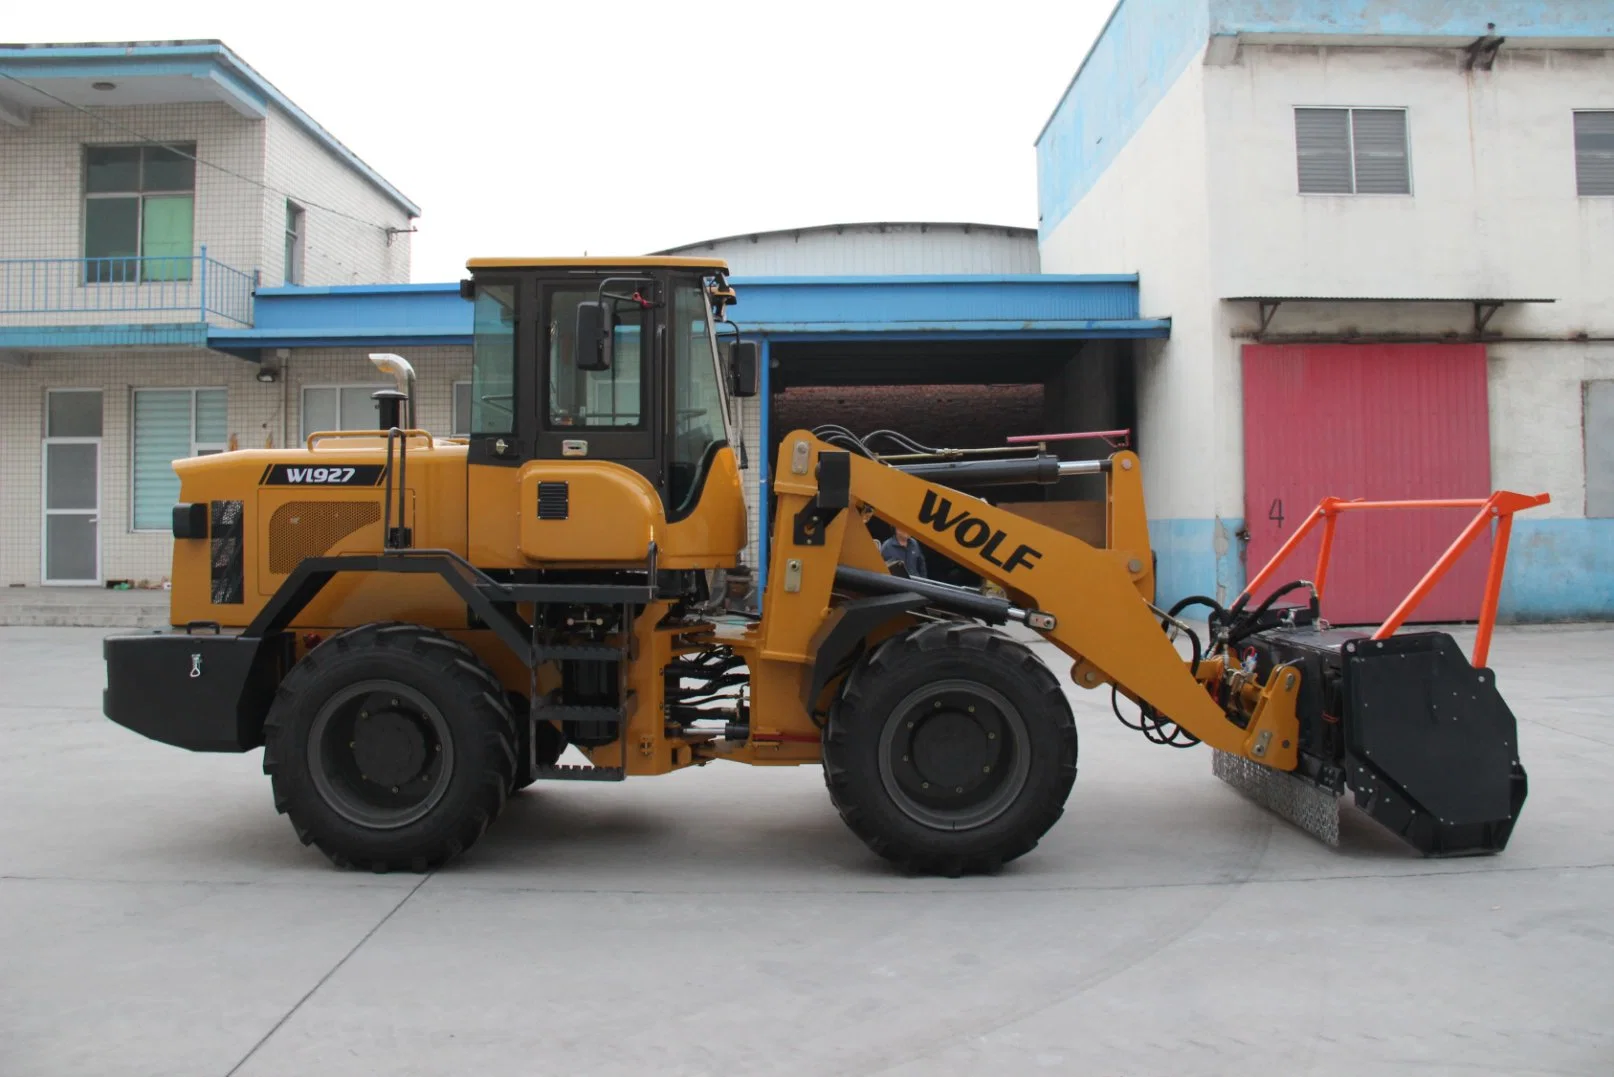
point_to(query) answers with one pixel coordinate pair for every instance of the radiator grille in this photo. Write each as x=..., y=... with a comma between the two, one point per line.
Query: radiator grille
x=300, y=529
x=554, y=500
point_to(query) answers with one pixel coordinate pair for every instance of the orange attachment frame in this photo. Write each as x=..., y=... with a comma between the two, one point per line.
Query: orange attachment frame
x=1500, y=507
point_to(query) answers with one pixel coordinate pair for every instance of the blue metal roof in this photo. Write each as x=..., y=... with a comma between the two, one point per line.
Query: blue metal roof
x=839, y=308
x=211, y=61
x=47, y=338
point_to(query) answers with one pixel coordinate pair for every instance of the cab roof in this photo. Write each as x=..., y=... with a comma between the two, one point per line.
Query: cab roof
x=653, y=262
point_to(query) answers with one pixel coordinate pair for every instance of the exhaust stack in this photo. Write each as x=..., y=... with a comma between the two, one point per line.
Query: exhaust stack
x=402, y=373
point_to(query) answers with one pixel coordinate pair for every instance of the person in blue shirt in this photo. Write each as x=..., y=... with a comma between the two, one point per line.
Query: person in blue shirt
x=901, y=549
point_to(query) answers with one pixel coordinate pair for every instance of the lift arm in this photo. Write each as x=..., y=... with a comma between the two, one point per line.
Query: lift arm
x=1099, y=598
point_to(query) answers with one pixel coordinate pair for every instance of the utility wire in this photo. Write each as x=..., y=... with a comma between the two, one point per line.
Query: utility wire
x=99, y=118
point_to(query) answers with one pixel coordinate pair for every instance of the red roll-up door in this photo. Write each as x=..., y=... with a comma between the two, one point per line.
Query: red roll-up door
x=1381, y=422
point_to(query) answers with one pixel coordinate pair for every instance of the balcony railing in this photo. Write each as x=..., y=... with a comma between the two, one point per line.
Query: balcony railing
x=194, y=284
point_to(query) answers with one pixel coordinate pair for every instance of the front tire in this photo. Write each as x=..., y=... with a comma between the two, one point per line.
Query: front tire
x=390, y=747
x=951, y=750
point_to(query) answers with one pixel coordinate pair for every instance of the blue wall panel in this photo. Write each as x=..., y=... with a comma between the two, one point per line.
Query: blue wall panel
x=1197, y=557
x=1514, y=19
x=1143, y=49
x=1559, y=570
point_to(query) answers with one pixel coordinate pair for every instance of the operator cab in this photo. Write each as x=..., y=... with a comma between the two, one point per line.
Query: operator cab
x=612, y=359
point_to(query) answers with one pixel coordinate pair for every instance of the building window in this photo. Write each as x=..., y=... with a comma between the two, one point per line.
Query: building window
x=462, y=410
x=169, y=425
x=1598, y=424
x=294, y=243
x=1594, y=153
x=1352, y=150
x=139, y=213
x=340, y=407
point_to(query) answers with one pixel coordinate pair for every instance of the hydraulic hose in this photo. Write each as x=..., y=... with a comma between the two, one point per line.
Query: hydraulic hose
x=1246, y=625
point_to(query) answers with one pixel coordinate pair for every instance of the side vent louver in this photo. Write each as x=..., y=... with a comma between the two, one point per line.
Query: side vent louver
x=554, y=500
x=225, y=554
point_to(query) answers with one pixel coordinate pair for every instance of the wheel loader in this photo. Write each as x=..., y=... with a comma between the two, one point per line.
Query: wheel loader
x=415, y=627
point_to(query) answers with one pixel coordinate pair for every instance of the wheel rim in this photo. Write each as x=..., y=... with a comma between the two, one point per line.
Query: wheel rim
x=380, y=754
x=954, y=755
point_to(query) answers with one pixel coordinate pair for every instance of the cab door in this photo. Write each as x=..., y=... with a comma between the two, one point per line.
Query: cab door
x=601, y=414
x=503, y=433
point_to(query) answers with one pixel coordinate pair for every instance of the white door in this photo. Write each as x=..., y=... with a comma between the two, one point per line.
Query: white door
x=71, y=539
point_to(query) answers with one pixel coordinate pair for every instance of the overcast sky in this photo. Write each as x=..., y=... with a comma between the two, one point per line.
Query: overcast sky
x=622, y=126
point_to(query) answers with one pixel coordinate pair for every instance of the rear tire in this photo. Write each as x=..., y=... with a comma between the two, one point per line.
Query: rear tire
x=951, y=750
x=390, y=747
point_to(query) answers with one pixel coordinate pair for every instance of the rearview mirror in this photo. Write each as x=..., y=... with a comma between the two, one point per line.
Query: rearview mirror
x=593, y=336
x=743, y=368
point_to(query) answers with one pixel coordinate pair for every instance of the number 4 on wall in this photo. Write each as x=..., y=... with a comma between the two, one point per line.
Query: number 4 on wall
x=1276, y=512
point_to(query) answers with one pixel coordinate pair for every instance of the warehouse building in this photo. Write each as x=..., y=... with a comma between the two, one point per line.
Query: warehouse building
x=1385, y=236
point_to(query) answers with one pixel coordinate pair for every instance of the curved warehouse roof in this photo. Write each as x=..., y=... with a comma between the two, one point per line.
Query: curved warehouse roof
x=650, y=262
x=858, y=226
x=876, y=248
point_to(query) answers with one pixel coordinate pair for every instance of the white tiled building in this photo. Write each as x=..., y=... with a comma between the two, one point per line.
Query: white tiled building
x=148, y=191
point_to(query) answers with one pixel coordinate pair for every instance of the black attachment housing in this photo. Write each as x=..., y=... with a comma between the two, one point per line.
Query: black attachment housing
x=1424, y=741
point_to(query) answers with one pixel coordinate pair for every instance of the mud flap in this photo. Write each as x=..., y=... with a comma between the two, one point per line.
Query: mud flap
x=1431, y=749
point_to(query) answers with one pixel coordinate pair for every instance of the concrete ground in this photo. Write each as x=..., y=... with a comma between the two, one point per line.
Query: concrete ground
x=158, y=917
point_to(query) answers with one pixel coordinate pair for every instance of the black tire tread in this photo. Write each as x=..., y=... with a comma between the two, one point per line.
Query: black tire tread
x=476, y=686
x=852, y=709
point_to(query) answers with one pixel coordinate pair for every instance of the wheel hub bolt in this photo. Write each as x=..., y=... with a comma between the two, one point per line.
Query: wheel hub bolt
x=986, y=770
x=924, y=785
x=960, y=789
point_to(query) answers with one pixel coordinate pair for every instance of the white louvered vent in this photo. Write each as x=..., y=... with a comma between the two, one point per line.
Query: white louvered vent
x=1352, y=151
x=1323, y=139
x=1594, y=153
x=1379, y=137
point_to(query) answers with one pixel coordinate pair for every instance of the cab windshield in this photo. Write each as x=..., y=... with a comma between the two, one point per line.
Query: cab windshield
x=699, y=402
